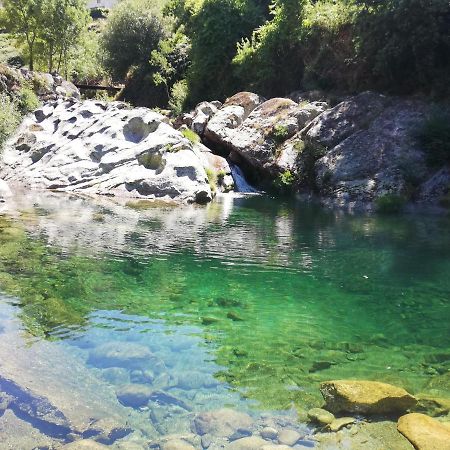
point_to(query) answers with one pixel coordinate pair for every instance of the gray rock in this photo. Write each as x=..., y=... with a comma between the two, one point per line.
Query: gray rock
x=232, y=113
x=134, y=395
x=105, y=148
x=203, y=112
x=5, y=191
x=247, y=443
x=288, y=437
x=222, y=422
x=121, y=354
x=269, y=433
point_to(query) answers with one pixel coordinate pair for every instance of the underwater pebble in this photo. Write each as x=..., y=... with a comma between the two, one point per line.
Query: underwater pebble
x=288, y=437
x=269, y=433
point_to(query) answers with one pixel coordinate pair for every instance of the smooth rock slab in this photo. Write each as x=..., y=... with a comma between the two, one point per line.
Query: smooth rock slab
x=321, y=416
x=365, y=397
x=424, y=432
x=85, y=444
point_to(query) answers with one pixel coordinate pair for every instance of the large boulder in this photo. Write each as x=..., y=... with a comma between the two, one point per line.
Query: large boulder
x=259, y=139
x=105, y=148
x=365, y=397
x=233, y=112
x=365, y=148
x=424, y=432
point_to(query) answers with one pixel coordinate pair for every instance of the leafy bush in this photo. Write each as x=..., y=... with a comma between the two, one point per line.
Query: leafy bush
x=26, y=99
x=435, y=138
x=212, y=179
x=389, y=203
x=191, y=136
x=9, y=118
x=134, y=29
x=279, y=133
x=284, y=182
x=178, y=97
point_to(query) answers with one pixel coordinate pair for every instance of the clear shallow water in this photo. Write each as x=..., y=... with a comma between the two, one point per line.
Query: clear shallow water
x=248, y=303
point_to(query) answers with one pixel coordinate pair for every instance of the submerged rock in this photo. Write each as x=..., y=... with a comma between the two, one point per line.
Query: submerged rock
x=134, y=395
x=105, y=148
x=424, y=432
x=320, y=416
x=84, y=444
x=128, y=355
x=365, y=397
x=247, y=443
x=222, y=422
x=288, y=437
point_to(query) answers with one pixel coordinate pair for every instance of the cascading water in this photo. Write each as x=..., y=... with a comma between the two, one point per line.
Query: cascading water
x=240, y=183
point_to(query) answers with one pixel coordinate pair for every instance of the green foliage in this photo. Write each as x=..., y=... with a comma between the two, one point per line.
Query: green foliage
x=9, y=117
x=133, y=30
x=49, y=28
x=389, y=203
x=212, y=178
x=192, y=136
x=178, y=97
x=435, y=139
x=214, y=28
x=284, y=182
x=279, y=133
x=10, y=51
x=271, y=61
x=26, y=99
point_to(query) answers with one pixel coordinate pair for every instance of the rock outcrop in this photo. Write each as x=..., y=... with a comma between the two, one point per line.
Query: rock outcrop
x=48, y=87
x=424, y=432
x=105, y=148
x=365, y=397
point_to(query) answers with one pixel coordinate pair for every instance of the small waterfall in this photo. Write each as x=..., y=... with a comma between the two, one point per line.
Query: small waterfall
x=240, y=183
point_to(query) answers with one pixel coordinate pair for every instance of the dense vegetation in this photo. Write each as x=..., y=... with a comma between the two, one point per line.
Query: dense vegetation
x=177, y=52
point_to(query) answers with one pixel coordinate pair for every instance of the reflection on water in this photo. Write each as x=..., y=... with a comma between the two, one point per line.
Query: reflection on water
x=248, y=303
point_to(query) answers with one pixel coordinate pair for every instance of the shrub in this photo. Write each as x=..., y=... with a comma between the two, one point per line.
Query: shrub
x=389, y=203
x=26, y=99
x=435, y=138
x=192, y=136
x=133, y=30
x=279, y=133
x=284, y=182
x=9, y=118
x=178, y=97
x=212, y=179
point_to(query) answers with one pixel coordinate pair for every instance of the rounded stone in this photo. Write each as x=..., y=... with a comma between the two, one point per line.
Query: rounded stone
x=134, y=395
x=269, y=433
x=288, y=437
x=320, y=416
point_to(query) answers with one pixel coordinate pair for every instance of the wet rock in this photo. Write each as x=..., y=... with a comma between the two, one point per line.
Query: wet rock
x=134, y=395
x=368, y=436
x=432, y=406
x=120, y=354
x=191, y=380
x=247, y=443
x=288, y=437
x=177, y=444
x=269, y=433
x=342, y=422
x=320, y=416
x=365, y=397
x=116, y=375
x=84, y=444
x=275, y=447
x=222, y=422
x=424, y=432
x=240, y=433
x=19, y=434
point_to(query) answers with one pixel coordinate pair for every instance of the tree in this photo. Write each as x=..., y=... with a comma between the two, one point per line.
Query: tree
x=134, y=29
x=63, y=22
x=23, y=19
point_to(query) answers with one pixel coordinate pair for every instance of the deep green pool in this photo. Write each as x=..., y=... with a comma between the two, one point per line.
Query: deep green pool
x=273, y=297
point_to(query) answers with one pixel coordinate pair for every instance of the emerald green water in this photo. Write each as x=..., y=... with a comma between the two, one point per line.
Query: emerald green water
x=275, y=296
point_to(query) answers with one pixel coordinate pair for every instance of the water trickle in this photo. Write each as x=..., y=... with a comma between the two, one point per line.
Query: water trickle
x=240, y=183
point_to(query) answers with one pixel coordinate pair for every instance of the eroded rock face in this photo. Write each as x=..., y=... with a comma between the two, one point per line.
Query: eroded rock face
x=365, y=397
x=424, y=432
x=233, y=112
x=105, y=148
x=260, y=137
